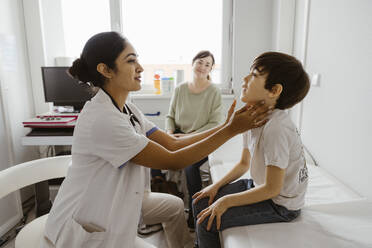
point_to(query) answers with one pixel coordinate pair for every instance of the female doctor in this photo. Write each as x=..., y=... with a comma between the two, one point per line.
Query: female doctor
x=106, y=190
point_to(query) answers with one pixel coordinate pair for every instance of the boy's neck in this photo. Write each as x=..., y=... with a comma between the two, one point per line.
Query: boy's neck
x=270, y=102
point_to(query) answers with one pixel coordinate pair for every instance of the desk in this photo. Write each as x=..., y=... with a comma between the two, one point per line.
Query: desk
x=45, y=132
x=47, y=141
x=48, y=137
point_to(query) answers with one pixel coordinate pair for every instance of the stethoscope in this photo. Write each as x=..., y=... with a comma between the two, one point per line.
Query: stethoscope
x=126, y=110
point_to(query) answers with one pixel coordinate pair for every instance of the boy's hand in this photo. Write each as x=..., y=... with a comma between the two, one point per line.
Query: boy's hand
x=209, y=191
x=217, y=209
x=249, y=117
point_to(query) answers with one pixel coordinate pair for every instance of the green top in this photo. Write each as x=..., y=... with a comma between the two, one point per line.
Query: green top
x=190, y=112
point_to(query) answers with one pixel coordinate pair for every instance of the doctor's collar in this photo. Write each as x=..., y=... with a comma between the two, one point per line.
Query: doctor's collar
x=126, y=109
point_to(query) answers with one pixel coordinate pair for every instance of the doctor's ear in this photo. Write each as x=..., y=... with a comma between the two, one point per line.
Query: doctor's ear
x=104, y=70
x=276, y=90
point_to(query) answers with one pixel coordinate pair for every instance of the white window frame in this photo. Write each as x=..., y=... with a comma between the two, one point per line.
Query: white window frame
x=227, y=39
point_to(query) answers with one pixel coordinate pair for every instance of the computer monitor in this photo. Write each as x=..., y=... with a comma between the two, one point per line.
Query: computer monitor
x=63, y=90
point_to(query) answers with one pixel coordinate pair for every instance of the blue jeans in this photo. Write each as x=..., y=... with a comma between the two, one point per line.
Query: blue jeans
x=193, y=179
x=157, y=173
x=257, y=213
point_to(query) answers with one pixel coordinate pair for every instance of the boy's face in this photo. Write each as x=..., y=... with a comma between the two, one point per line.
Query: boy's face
x=253, y=89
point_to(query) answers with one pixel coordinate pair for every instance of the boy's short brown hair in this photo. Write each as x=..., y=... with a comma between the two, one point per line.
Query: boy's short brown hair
x=286, y=70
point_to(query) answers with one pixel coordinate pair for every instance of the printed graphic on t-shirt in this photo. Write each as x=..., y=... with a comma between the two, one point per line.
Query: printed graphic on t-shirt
x=303, y=173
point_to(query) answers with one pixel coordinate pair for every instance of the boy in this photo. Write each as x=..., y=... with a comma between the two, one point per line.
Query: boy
x=273, y=152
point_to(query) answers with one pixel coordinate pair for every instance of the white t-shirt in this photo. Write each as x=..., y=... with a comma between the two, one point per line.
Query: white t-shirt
x=103, y=189
x=278, y=143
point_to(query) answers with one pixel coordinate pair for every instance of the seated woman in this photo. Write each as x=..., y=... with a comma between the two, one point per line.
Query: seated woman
x=196, y=106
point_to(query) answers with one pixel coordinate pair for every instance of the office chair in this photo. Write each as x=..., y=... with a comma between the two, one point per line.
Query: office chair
x=28, y=173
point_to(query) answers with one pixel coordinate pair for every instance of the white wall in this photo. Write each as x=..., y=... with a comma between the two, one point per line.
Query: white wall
x=337, y=117
x=253, y=35
x=45, y=41
x=283, y=25
x=36, y=50
x=52, y=30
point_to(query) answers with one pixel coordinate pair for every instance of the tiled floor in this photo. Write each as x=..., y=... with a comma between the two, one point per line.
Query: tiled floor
x=156, y=239
x=10, y=244
x=31, y=216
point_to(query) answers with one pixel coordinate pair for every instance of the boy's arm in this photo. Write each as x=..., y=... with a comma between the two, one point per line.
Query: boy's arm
x=271, y=188
x=273, y=184
x=236, y=172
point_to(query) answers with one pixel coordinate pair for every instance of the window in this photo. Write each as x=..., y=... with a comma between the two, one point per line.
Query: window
x=79, y=23
x=167, y=34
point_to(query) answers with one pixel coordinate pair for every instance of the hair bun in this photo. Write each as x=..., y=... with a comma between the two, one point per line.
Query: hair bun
x=79, y=70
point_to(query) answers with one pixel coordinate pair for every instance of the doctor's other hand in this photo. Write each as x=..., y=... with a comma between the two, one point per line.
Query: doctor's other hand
x=210, y=191
x=230, y=112
x=249, y=117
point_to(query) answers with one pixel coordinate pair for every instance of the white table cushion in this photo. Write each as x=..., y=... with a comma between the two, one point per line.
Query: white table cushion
x=334, y=215
x=339, y=225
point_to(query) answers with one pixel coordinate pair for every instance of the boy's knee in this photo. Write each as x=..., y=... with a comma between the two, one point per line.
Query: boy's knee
x=200, y=205
x=203, y=226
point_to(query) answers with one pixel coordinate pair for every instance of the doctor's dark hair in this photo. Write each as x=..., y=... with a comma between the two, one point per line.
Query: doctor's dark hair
x=204, y=54
x=101, y=48
x=286, y=70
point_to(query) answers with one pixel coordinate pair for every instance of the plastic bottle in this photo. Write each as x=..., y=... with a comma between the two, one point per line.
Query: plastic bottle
x=157, y=84
x=165, y=85
x=171, y=84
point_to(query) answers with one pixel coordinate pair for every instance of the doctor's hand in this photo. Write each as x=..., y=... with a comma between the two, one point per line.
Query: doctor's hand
x=210, y=191
x=230, y=112
x=249, y=117
x=216, y=210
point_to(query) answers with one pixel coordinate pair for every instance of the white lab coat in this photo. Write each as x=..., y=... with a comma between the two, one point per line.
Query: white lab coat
x=99, y=203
